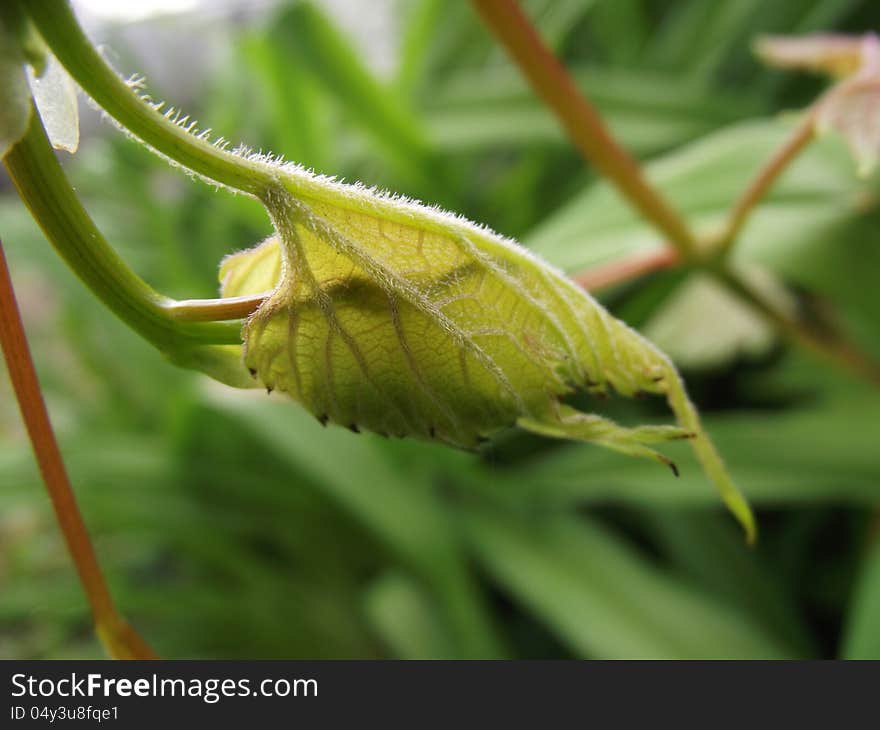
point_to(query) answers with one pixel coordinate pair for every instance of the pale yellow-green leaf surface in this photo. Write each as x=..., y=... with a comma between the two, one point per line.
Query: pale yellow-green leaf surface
x=394, y=317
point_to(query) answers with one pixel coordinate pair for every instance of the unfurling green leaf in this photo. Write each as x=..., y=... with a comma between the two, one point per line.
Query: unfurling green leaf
x=401, y=319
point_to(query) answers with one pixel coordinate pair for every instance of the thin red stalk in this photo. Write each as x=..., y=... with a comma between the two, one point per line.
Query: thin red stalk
x=120, y=638
x=765, y=178
x=623, y=270
x=582, y=122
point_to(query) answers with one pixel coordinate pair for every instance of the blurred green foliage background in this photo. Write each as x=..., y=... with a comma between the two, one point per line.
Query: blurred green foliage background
x=233, y=525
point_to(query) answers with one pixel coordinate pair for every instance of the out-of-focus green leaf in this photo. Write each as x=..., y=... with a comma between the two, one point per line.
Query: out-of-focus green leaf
x=862, y=630
x=404, y=617
x=702, y=39
x=686, y=327
x=602, y=599
x=299, y=128
x=678, y=32
x=398, y=508
x=492, y=108
x=555, y=19
x=621, y=27
x=420, y=20
x=728, y=26
x=818, y=213
x=703, y=179
x=312, y=41
x=710, y=552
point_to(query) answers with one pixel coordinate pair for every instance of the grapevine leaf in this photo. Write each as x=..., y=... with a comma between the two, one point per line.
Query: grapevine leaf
x=403, y=320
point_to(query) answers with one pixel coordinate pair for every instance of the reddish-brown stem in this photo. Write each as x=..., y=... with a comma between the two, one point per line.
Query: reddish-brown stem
x=766, y=177
x=582, y=122
x=119, y=638
x=627, y=269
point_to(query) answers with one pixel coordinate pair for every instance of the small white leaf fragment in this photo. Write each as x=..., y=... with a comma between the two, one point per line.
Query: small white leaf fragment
x=55, y=96
x=829, y=53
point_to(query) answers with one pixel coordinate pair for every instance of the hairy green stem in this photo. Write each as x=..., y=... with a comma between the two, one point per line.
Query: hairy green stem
x=44, y=188
x=58, y=26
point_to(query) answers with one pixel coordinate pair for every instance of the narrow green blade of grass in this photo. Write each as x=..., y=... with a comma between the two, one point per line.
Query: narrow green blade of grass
x=398, y=508
x=310, y=39
x=772, y=455
x=555, y=19
x=621, y=28
x=602, y=599
x=710, y=552
x=420, y=20
x=405, y=619
x=299, y=125
x=703, y=179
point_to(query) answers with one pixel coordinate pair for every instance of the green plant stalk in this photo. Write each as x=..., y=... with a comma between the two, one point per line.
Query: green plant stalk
x=44, y=188
x=585, y=127
x=120, y=640
x=58, y=26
